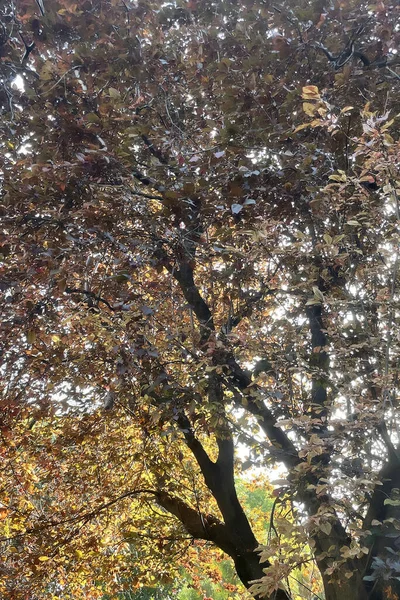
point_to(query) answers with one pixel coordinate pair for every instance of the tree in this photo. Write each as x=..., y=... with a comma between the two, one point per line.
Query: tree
x=201, y=228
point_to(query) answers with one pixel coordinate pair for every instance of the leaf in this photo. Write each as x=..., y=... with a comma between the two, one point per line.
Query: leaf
x=309, y=109
x=44, y=558
x=310, y=92
x=387, y=125
x=47, y=71
x=114, y=93
x=62, y=284
x=318, y=294
x=389, y=141
x=312, y=301
x=349, y=574
x=391, y=502
x=302, y=126
x=93, y=118
x=326, y=527
x=346, y=109
x=341, y=177
x=219, y=154
x=316, y=123
x=31, y=336
x=172, y=195
x=236, y=208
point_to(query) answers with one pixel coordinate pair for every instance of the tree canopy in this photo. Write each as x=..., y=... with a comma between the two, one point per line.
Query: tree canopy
x=199, y=275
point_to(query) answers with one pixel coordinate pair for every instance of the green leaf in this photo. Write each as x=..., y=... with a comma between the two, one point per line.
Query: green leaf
x=391, y=502
x=114, y=93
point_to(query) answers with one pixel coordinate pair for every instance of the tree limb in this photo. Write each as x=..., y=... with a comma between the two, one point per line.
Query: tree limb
x=184, y=276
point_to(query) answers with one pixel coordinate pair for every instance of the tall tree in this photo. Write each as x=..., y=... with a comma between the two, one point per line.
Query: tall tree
x=201, y=247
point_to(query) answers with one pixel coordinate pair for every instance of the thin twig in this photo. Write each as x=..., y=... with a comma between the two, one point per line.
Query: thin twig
x=393, y=73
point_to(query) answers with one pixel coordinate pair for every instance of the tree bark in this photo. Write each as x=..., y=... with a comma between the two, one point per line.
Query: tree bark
x=384, y=541
x=240, y=542
x=237, y=540
x=236, y=537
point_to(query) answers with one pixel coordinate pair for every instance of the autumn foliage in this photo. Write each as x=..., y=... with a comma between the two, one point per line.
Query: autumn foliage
x=199, y=258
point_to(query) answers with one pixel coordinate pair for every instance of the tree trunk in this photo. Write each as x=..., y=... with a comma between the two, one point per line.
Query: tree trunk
x=382, y=566
x=356, y=588
x=242, y=541
x=345, y=589
x=235, y=539
x=248, y=568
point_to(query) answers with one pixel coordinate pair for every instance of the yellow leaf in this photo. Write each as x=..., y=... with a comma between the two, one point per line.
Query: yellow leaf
x=44, y=558
x=55, y=338
x=389, y=141
x=346, y=109
x=310, y=92
x=302, y=126
x=365, y=111
x=309, y=108
x=46, y=72
x=387, y=125
x=341, y=176
x=30, y=336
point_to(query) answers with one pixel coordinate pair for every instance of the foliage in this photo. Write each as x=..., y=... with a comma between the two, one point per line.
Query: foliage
x=199, y=275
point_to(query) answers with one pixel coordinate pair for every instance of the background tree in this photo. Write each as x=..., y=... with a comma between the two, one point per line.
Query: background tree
x=201, y=225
